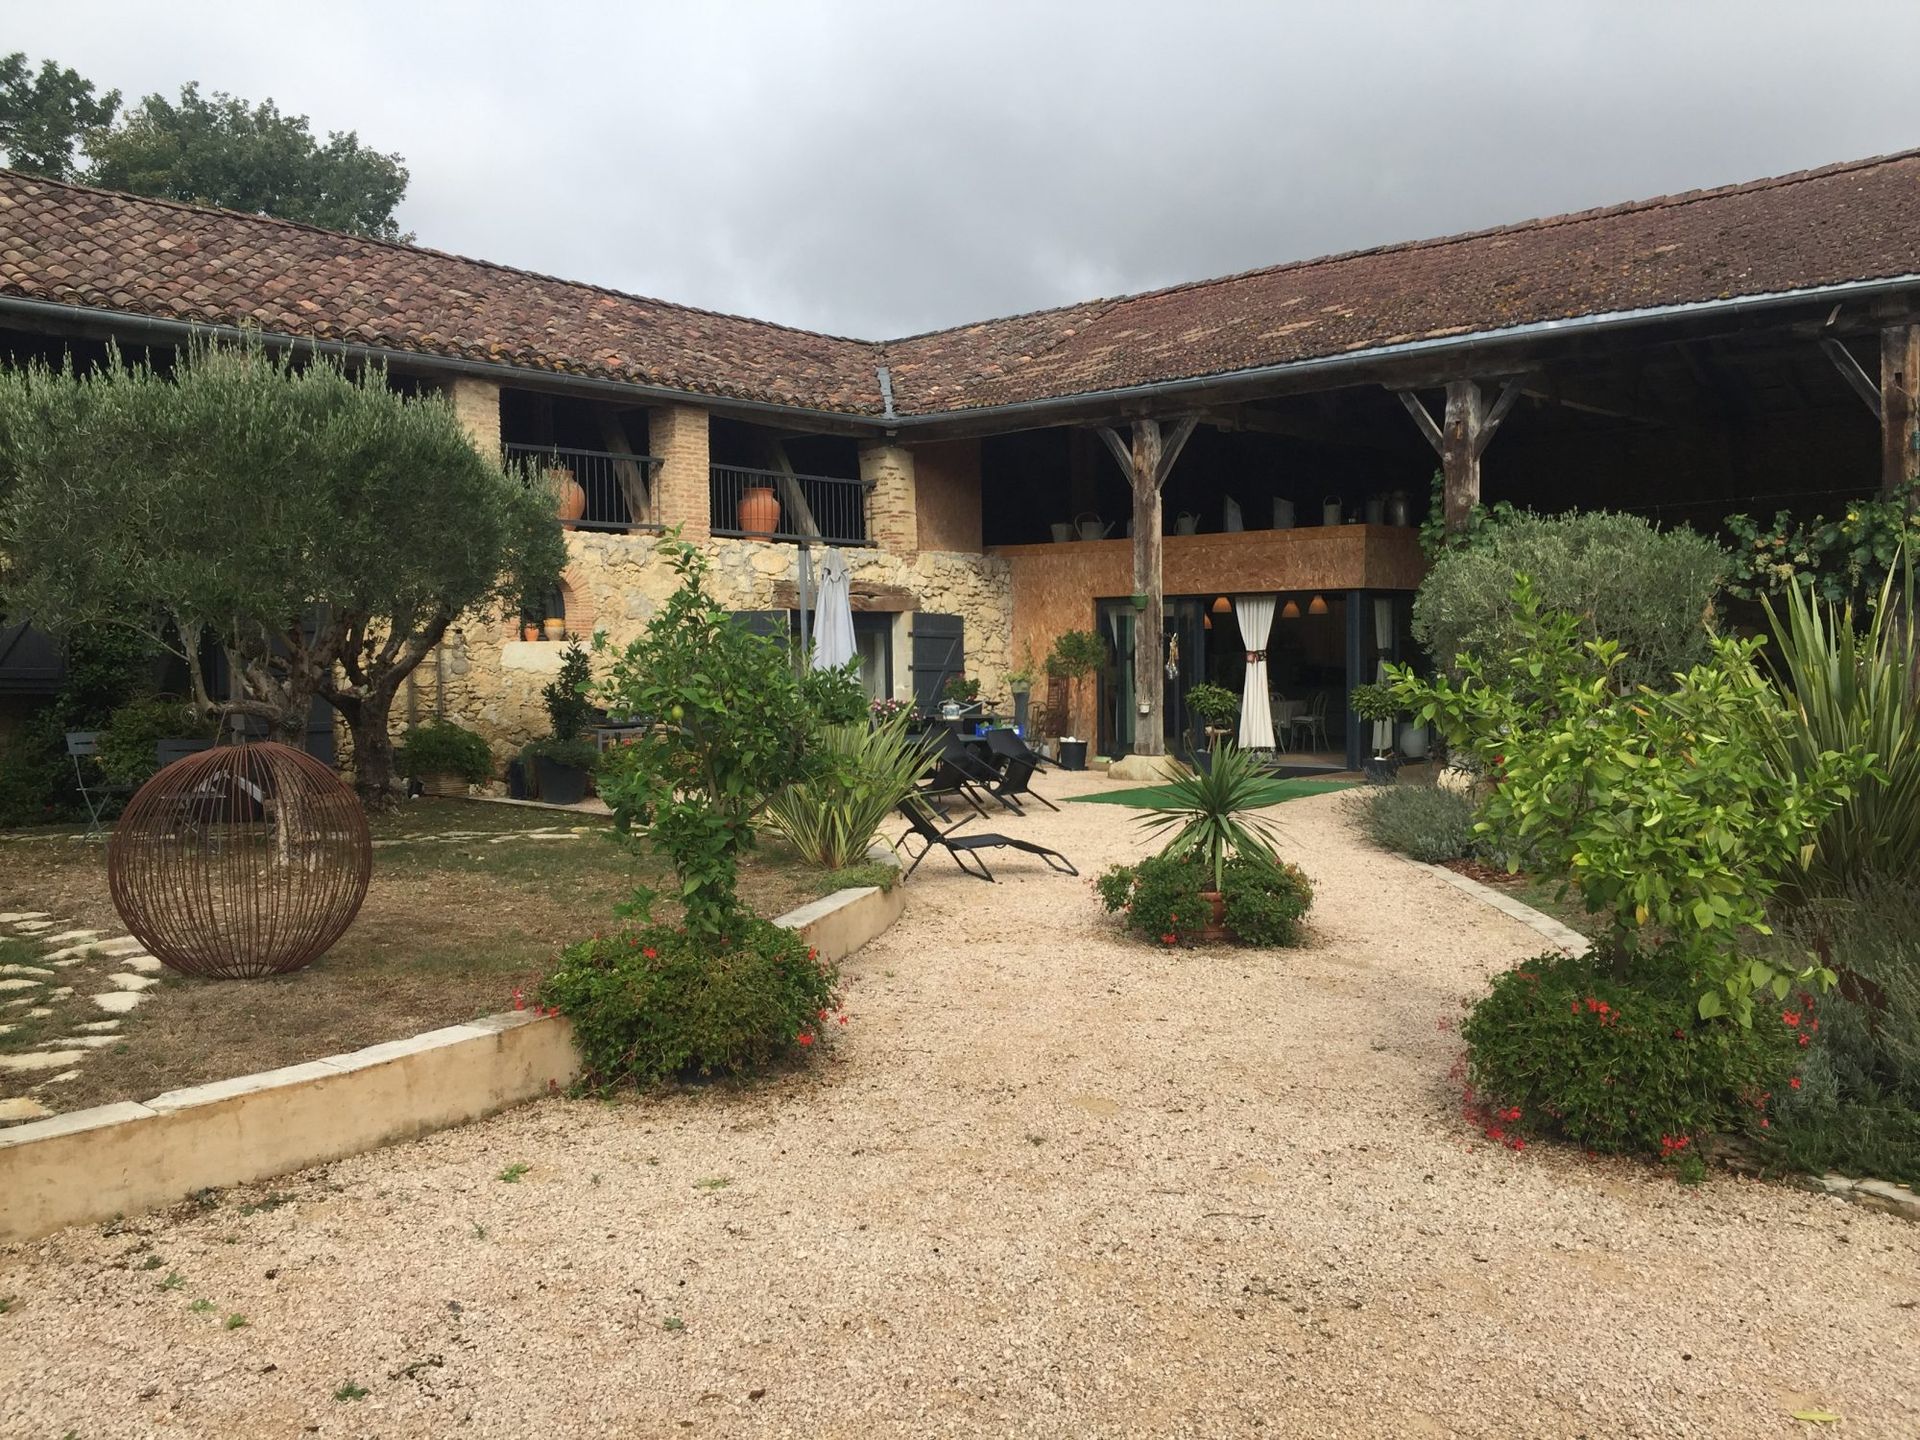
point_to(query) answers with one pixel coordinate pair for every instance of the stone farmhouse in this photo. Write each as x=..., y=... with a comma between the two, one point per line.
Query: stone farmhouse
x=1131, y=466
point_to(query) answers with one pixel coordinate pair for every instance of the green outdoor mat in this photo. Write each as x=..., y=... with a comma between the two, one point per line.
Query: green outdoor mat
x=1157, y=797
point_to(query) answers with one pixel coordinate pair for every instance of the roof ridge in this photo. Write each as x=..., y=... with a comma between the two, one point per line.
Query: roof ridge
x=1531, y=225
x=128, y=196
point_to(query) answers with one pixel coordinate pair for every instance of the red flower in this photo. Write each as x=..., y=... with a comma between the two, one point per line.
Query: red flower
x=1168, y=939
x=519, y=1000
x=1518, y=1143
x=1803, y=1041
x=843, y=1019
x=651, y=953
x=1794, y=1083
x=813, y=952
x=1790, y=1017
x=805, y=1038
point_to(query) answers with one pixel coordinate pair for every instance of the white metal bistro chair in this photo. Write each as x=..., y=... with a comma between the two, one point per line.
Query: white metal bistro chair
x=1310, y=723
x=95, y=794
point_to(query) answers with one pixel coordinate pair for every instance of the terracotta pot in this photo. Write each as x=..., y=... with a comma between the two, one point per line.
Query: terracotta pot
x=530, y=630
x=554, y=629
x=569, y=500
x=1215, y=929
x=759, y=511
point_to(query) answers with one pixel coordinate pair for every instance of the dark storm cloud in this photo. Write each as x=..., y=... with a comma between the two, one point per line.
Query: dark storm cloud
x=874, y=169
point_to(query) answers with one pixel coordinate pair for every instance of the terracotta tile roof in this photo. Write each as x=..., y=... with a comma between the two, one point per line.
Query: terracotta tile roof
x=1855, y=221
x=1858, y=221
x=98, y=248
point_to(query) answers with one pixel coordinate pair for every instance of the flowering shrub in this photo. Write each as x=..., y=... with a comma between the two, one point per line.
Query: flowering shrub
x=1161, y=898
x=1660, y=806
x=1622, y=1063
x=1846, y=558
x=661, y=1003
x=881, y=711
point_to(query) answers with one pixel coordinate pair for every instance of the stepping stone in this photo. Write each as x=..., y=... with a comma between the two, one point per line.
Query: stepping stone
x=14, y=917
x=145, y=964
x=37, y=1012
x=26, y=970
x=62, y=993
x=16, y=1004
x=84, y=1042
x=19, y=984
x=132, y=982
x=22, y=1108
x=61, y=1079
x=41, y=1060
x=68, y=936
x=118, y=1002
x=33, y=927
x=99, y=1025
x=8, y=1029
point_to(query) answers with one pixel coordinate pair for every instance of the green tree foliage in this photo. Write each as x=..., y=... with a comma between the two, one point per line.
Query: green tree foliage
x=214, y=149
x=45, y=113
x=728, y=731
x=221, y=150
x=323, y=529
x=1659, y=806
x=1651, y=590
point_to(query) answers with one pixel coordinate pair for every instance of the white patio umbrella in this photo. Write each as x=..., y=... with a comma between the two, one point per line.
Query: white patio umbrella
x=1382, y=642
x=833, y=613
x=1255, y=614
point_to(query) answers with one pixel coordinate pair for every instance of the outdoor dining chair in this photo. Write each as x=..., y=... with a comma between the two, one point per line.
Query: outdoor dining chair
x=97, y=793
x=1311, y=723
x=920, y=823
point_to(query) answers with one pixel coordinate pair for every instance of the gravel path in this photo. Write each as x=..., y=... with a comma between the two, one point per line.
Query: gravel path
x=1052, y=1183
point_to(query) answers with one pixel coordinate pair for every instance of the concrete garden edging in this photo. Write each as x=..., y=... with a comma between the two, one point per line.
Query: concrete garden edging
x=92, y=1165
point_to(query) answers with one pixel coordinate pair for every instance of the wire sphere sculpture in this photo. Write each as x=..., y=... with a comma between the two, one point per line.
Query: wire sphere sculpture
x=240, y=861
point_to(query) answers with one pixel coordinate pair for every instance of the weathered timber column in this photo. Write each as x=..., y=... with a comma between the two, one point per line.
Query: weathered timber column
x=1460, y=447
x=893, y=516
x=1899, y=414
x=1149, y=728
x=677, y=438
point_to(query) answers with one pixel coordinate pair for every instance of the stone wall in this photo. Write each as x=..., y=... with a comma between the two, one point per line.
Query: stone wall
x=618, y=582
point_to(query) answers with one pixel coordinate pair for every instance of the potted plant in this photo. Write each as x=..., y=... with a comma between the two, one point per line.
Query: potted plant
x=529, y=628
x=561, y=768
x=1076, y=655
x=1020, y=686
x=1374, y=702
x=564, y=759
x=1217, y=707
x=444, y=757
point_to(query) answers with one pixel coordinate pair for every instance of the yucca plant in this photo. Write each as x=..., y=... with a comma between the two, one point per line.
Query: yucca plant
x=1210, y=812
x=831, y=818
x=1849, y=685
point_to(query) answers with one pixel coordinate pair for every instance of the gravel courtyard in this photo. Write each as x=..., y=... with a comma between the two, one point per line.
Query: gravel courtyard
x=1052, y=1182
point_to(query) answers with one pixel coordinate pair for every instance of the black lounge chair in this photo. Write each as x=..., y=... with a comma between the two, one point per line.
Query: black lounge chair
x=921, y=823
x=1009, y=746
x=1014, y=783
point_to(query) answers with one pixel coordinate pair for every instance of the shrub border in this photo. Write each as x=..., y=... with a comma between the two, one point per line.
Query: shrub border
x=92, y=1165
x=1875, y=1194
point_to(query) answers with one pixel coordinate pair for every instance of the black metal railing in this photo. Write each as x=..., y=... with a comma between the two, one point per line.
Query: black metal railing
x=775, y=505
x=596, y=489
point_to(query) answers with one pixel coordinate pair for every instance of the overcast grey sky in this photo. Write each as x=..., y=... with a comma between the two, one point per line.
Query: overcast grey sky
x=880, y=168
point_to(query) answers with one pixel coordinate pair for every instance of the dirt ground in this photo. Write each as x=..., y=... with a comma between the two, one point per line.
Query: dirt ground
x=465, y=904
x=1049, y=1182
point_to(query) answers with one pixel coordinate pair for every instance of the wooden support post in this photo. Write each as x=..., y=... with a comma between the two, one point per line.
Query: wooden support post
x=1147, y=461
x=1460, y=448
x=1899, y=414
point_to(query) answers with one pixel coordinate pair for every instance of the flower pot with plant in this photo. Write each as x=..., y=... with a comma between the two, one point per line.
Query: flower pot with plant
x=444, y=757
x=1217, y=707
x=563, y=761
x=960, y=694
x=1075, y=658
x=1374, y=703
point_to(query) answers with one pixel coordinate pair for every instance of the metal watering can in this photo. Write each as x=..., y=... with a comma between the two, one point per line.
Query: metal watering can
x=1090, y=526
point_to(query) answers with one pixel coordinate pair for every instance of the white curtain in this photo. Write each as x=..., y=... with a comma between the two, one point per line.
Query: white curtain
x=1383, y=644
x=833, y=614
x=1255, y=614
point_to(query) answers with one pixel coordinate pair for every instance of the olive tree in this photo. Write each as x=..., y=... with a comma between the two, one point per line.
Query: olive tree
x=318, y=527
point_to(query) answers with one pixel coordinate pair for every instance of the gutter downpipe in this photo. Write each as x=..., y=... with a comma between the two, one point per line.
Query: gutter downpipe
x=176, y=330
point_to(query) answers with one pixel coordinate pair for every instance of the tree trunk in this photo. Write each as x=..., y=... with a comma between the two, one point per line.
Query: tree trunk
x=372, y=752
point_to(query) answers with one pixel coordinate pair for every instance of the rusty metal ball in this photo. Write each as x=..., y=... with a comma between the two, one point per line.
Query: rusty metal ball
x=240, y=861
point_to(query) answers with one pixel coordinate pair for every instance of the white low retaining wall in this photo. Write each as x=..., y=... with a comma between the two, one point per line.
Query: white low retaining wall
x=92, y=1165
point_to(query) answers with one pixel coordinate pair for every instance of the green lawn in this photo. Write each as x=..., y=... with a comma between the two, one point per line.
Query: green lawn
x=1159, y=797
